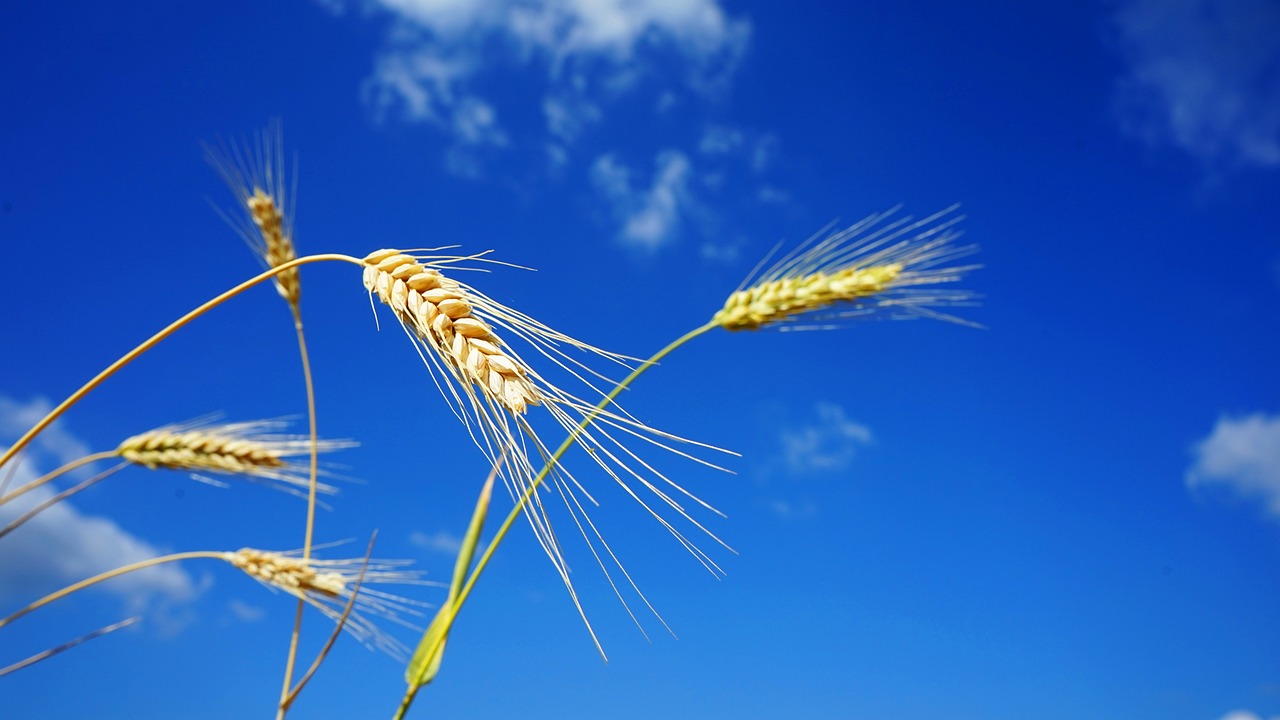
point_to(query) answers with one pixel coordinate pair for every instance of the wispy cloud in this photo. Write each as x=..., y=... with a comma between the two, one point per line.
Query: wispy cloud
x=652, y=216
x=441, y=541
x=1245, y=715
x=1203, y=76
x=1242, y=454
x=63, y=545
x=828, y=443
x=437, y=52
x=244, y=612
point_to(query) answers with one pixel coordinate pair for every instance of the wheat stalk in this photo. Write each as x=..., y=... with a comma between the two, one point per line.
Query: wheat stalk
x=868, y=266
x=327, y=585
x=233, y=449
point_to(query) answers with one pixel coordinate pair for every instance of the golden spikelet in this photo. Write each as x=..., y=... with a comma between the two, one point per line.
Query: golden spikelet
x=254, y=171
x=440, y=311
x=327, y=585
x=245, y=449
x=871, y=265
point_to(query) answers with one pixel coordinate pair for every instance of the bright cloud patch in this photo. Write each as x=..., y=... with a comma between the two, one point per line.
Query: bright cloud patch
x=440, y=541
x=61, y=545
x=437, y=50
x=1245, y=715
x=1203, y=76
x=828, y=444
x=1242, y=454
x=652, y=216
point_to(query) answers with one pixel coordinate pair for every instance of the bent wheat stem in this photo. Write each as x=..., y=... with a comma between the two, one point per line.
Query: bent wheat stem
x=176, y=325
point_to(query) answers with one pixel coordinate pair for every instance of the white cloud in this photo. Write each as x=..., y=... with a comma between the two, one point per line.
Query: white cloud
x=441, y=541
x=1203, y=76
x=652, y=217
x=828, y=444
x=1245, y=715
x=62, y=545
x=437, y=51
x=1242, y=454
x=245, y=612
x=720, y=140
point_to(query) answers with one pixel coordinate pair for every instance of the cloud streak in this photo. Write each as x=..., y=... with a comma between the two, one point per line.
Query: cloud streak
x=1242, y=454
x=1204, y=77
x=827, y=444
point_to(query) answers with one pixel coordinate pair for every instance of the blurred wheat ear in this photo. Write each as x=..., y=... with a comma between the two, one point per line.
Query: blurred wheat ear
x=254, y=172
x=875, y=265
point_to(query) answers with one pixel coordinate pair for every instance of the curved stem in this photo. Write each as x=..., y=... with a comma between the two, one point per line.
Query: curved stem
x=537, y=482
x=154, y=339
x=286, y=693
x=59, y=498
x=95, y=457
x=107, y=576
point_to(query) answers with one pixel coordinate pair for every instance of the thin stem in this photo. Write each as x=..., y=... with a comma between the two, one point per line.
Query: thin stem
x=67, y=645
x=337, y=629
x=59, y=498
x=287, y=695
x=95, y=457
x=140, y=565
x=537, y=482
x=154, y=339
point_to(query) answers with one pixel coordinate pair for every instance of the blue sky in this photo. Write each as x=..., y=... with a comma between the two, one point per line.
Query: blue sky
x=1074, y=513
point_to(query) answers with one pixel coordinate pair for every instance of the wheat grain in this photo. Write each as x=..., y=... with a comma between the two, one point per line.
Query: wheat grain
x=245, y=449
x=254, y=171
x=327, y=585
x=866, y=267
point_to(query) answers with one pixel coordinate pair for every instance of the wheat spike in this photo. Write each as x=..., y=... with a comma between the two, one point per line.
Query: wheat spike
x=327, y=585
x=254, y=171
x=233, y=449
x=491, y=389
x=867, y=266
x=439, y=311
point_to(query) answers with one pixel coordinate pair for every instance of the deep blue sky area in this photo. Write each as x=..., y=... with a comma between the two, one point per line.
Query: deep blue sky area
x=1070, y=512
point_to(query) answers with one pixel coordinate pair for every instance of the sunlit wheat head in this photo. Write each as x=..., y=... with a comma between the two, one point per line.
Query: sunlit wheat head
x=465, y=338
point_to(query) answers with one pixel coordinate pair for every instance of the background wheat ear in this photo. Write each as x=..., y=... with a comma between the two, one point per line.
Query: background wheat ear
x=254, y=172
x=876, y=264
x=248, y=449
x=327, y=585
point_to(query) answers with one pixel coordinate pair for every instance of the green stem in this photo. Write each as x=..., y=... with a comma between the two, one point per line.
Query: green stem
x=155, y=339
x=537, y=482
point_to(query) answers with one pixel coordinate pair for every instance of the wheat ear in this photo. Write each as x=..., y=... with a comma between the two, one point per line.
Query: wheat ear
x=328, y=584
x=254, y=172
x=868, y=266
x=244, y=448
x=440, y=312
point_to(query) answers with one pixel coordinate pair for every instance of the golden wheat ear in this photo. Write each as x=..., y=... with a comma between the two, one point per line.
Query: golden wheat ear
x=254, y=171
x=327, y=585
x=463, y=336
x=878, y=264
x=249, y=449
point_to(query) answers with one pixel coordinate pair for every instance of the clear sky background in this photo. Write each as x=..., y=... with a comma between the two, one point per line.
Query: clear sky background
x=1074, y=513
